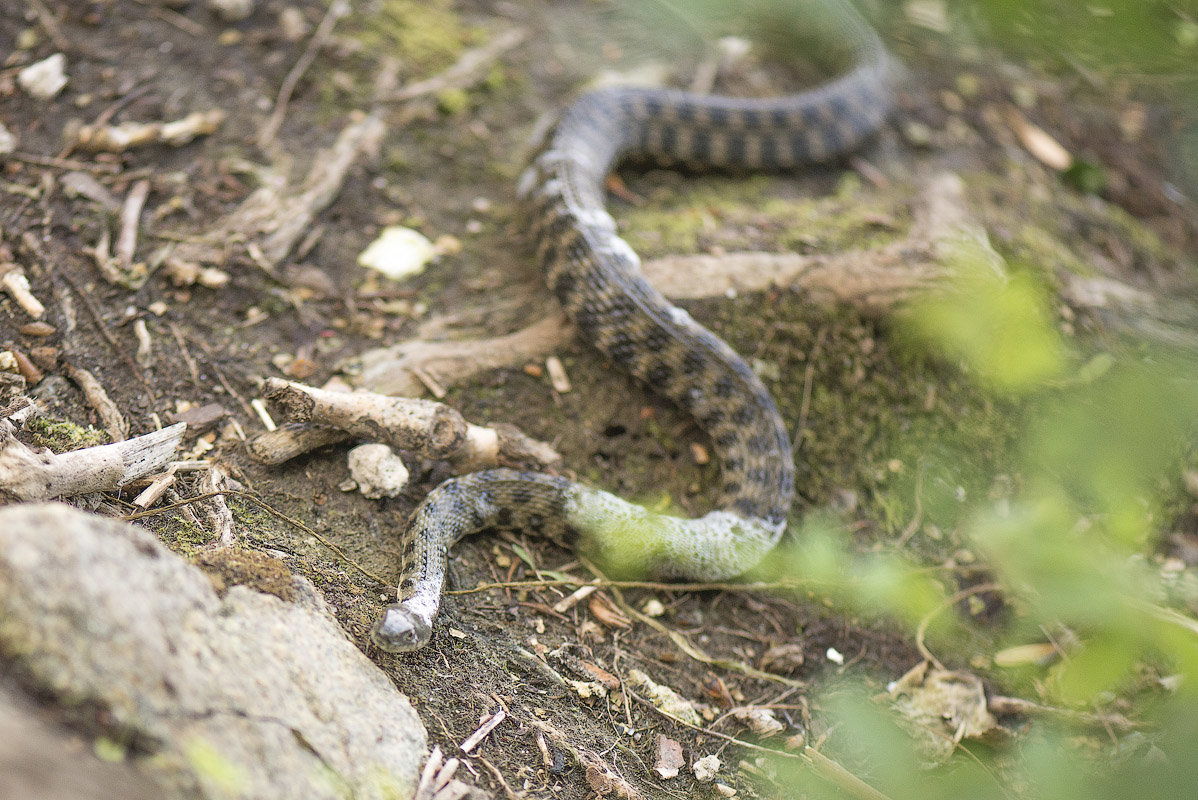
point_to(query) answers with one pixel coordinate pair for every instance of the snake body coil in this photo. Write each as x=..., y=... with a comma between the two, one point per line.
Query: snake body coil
x=596, y=276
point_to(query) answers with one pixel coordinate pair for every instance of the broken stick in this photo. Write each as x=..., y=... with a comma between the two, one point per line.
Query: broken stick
x=421, y=426
x=26, y=475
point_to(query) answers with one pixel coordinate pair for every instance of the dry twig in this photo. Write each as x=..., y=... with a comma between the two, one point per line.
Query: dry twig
x=683, y=643
x=469, y=69
x=336, y=10
x=104, y=138
x=276, y=215
x=29, y=476
x=431, y=429
x=97, y=398
x=484, y=730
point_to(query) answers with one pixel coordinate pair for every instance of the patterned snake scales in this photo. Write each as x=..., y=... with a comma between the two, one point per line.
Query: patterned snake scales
x=596, y=276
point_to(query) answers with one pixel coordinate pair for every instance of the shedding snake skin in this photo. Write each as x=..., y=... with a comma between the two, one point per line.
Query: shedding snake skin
x=596, y=276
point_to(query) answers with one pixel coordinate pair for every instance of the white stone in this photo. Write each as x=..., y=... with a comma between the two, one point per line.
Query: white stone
x=46, y=78
x=398, y=253
x=8, y=142
x=706, y=768
x=232, y=10
x=378, y=470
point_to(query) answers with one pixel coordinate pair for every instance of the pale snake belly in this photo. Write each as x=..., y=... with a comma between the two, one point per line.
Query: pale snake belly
x=596, y=276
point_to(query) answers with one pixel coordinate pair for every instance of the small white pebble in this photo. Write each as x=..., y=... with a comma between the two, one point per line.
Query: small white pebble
x=292, y=24
x=378, y=471
x=232, y=10
x=706, y=768
x=8, y=142
x=45, y=78
x=398, y=253
x=653, y=608
x=835, y=656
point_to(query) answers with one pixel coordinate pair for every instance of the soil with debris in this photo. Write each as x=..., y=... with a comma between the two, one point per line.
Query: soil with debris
x=863, y=405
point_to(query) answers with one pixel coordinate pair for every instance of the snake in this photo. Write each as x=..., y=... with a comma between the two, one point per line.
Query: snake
x=597, y=279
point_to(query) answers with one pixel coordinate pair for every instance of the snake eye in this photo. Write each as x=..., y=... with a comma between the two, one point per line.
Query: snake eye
x=398, y=630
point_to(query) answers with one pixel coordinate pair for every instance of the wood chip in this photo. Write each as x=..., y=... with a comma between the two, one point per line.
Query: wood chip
x=145, y=352
x=29, y=370
x=546, y=759
x=126, y=240
x=669, y=757
x=13, y=279
x=434, y=387
x=37, y=329
x=571, y=600
x=557, y=375
x=264, y=415
x=606, y=612
x=476, y=738
x=158, y=486
x=1038, y=142
x=604, y=781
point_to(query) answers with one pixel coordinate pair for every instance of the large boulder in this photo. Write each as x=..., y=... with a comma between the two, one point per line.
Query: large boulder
x=241, y=695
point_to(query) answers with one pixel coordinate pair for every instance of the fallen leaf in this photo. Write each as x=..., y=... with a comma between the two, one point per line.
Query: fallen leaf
x=669, y=757
x=760, y=720
x=1047, y=150
x=599, y=674
x=664, y=698
x=606, y=612
x=784, y=658
x=942, y=708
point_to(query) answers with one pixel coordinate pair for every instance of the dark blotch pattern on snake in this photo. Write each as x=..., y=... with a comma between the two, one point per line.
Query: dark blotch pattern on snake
x=596, y=276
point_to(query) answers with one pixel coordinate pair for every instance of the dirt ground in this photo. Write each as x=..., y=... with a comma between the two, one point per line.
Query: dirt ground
x=868, y=407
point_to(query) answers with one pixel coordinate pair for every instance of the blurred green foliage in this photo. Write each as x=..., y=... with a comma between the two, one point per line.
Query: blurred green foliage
x=1072, y=547
x=1116, y=36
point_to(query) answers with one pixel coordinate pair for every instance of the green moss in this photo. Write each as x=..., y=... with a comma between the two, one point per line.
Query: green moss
x=426, y=34
x=109, y=750
x=180, y=535
x=1057, y=231
x=453, y=102
x=61, y=436
x=214, y=767
x=760, y=212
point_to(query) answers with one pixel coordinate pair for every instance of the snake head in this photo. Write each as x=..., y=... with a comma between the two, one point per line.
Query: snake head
x=398, y=630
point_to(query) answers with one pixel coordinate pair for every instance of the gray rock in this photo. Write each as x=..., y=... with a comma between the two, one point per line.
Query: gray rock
x=242, y=696
x=42, y=760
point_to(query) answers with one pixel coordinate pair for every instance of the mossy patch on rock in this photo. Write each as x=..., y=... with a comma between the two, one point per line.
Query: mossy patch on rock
x=61, y=436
